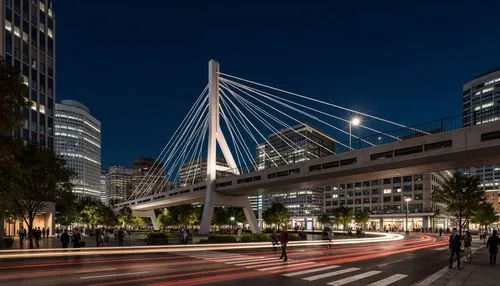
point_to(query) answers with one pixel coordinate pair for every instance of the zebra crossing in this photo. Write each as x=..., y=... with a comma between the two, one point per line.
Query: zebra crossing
x=318, y=271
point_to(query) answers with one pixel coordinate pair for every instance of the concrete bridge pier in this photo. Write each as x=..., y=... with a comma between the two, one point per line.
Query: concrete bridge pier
x=150, y=214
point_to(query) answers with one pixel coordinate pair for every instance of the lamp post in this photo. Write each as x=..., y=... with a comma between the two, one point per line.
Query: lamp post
x=355, y=121
x=407, y=200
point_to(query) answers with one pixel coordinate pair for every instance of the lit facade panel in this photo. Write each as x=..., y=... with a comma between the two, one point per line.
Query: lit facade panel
x=28, y=43
x=78, y=141
x=481, y=104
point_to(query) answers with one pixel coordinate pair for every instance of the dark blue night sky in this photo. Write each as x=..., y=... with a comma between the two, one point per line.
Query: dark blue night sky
x=139, y=67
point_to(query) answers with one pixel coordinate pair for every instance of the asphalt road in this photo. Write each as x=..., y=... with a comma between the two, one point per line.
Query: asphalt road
x=401, y=262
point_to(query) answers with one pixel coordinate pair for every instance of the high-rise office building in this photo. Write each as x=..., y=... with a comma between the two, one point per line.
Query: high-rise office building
x=78, y=141
x=195, y=171
x=384, y=199
x=27, y=42
x=149, y=176
x=119, y=183
x=291, y=145
x=104, y=193
x=481, y=104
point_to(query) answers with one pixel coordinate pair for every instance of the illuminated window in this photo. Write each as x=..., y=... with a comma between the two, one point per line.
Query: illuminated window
x=50, y=12
x=387, y=191
x=42, y=108
x=25, y=37
x=33, y=105
x=49, y=32
x=17, y=32
x=8, y=26
x=42, y=7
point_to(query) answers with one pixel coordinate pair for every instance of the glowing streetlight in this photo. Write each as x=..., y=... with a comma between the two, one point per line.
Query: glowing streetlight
x=354, y=121
x=407, y=200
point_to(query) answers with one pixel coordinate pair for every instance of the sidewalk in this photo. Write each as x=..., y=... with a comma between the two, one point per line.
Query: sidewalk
x=53, y=242
x=476, y=272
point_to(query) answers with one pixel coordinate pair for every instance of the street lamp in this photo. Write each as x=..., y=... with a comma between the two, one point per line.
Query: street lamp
x=232, y=220
x=407, y=200
x=355, y=121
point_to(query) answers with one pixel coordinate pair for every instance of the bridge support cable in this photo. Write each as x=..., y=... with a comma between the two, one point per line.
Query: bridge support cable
x=173, y=164
x=176, y=147
x=239, y=154
x=198, y=153
x=260, y=116
x=277, y=120
x=278, y=98
x=236, y=134
x=193, y=161
x=243, y=120
x=303, y=113
x=325, y=103
x=294, y=119
x=159, y=158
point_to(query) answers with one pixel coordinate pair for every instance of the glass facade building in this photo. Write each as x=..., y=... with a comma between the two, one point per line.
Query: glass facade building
x=27, y=42
x=78, y=141
x=481, y=104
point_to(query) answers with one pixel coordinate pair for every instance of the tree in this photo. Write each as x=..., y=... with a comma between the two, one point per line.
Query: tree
x=13, y=98
x=461, y=195
x=361, y=218
x=189, y=215
x=343, y=216
x=277, y=214
x=125, y=216
x=93, y=212
x=325, y=219
x=38, y=177
x=484, y=215
x=13, y=107
x=165, y=217
x=66, y=208
x=221, y=216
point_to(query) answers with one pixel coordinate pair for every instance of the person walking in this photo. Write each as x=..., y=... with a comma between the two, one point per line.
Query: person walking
x=97, y=237
x=64, y=239
x=48, y=232
x=492, y=245
x=467, y=246
x=284, y=242
x=22, y=235
x=330, y=237
x=106, y=237
x=121, y=236
x=43, y=232
x=274, y=240
x=37, y=235
x=454, y=245
x=77, y=239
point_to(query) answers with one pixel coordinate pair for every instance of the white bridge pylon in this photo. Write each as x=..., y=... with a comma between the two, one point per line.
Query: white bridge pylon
x=215, y=135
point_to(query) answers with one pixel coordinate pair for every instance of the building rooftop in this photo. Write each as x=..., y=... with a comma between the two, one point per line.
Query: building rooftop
x=76, y=104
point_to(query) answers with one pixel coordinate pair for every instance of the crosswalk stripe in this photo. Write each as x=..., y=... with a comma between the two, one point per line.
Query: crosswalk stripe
x=267, y=260
x=354, y=278
x=226, y=257
x=441, y=248
x=283, y=266
x=310, y=271
x=389, y=280
x=329, y=274
x=247, y=259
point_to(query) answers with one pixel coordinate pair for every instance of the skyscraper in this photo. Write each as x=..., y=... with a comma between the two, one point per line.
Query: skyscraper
x=27, y=42
x=78, y=141
x=481, y=104
x=291, y=145
x=119, y=184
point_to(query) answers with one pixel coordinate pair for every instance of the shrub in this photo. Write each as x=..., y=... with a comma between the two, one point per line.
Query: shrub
x=158, y=235
x=219, y=239
x=255, y=237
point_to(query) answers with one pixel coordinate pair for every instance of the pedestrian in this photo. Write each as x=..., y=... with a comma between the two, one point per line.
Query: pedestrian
x=330, y=237
x=77, y=239
x=121, y=236
x=43, y=232
x=274, y=240
x=492, y=244
x=454, y=245
x=22, y=235
x=106, y=237
x=284, y=242
x=98, y=237
x=37, y=235
x=64, y=239
x=48, y=231
x=467, y=246
x=57, y=232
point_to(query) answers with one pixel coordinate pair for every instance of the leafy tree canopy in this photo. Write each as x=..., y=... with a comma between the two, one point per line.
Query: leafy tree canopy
x=278, y=214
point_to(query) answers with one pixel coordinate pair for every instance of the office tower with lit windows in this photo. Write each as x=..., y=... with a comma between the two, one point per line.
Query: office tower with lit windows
x=481, y=104
x=78, y=141
x=291, y=145
x=27, y=43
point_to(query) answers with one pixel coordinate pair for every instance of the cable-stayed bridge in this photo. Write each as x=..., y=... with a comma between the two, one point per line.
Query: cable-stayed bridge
x=242, y=138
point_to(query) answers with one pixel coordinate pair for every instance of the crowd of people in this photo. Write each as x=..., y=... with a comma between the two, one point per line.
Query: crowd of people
x=455, y=245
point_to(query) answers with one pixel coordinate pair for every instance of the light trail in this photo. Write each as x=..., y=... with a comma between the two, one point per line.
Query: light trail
x=10, y=254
